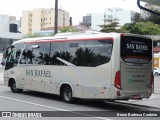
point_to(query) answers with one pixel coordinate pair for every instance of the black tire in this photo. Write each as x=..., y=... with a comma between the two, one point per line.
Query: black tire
x=156, y=74
x=13, y=87
x=67, y=94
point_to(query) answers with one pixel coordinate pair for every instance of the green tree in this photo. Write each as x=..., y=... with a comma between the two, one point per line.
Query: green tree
x=68, y=29
x=111, y=26
x=152, y=17
x=148, y=28
x=144, y=28
x=137, y=17
x=36, y=35
x=131, y=28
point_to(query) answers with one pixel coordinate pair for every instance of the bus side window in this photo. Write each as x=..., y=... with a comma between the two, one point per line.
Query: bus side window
x=36, y=54
x=27, y=55
x=13, y=55
x=10, y=58
x=23, y=57
x=40, y=53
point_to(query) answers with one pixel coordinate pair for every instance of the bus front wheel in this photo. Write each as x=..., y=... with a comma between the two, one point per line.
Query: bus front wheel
x=13, y=87
x=67, y=94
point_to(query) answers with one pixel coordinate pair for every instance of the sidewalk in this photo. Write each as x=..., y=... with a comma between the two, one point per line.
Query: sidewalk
x=153, y=101
x=1, y=75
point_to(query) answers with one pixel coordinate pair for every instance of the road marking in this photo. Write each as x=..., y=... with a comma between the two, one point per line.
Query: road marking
x=36, y=104
x=32, y=103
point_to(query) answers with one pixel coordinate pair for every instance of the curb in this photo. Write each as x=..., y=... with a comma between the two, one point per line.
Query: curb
x=140, y=105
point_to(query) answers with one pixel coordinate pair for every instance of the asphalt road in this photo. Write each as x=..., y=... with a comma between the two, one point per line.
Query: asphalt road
x=30, y=101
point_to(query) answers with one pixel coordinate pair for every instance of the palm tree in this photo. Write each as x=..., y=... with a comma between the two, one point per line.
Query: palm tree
x=63, y=55
x=84, y=57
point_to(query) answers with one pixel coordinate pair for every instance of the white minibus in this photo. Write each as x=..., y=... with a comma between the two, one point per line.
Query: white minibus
x=95, y=66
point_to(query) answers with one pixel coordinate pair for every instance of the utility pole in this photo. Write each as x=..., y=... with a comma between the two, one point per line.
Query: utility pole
x=56, y=17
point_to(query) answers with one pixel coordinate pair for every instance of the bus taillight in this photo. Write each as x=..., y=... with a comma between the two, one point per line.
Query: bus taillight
x=117, y=82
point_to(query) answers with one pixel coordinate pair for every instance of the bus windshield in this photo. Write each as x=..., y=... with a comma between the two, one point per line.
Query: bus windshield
x=136, y=49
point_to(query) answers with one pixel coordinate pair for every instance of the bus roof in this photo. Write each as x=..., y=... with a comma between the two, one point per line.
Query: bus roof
x=73, y=36
x=69, y=36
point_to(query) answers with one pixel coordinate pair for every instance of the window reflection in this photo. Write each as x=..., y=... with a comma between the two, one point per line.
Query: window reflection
x=80, y=53
x=13, y=55
x=39, y=55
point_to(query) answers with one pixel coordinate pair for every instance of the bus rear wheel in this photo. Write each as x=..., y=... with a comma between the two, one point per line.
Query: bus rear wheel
x=13, y=87
x=67, y=94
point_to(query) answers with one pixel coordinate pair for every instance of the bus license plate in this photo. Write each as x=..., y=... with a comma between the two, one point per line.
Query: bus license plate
x=135, y=97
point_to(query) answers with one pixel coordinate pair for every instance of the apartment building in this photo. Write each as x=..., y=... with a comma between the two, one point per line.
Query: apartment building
x=87, y=20
x=122, y=16
x=4, y=23
x=8, y=31
x=43, y=19
x=9, y=24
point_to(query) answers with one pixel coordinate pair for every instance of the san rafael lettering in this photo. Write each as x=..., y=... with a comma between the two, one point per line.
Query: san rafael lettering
x=136, y=46
x=38, y=73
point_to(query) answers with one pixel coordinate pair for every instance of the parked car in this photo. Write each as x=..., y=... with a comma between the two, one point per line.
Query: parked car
x=156, y=71
x=3, y=62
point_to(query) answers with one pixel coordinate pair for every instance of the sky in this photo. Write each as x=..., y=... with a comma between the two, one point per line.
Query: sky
x=76, y=8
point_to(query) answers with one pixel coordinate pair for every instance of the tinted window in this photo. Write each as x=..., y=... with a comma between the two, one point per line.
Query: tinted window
x=57, y=51
x=98, y=52
x=13, y=55
x=136, y=49
x=81, y=53
x=36, y=54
